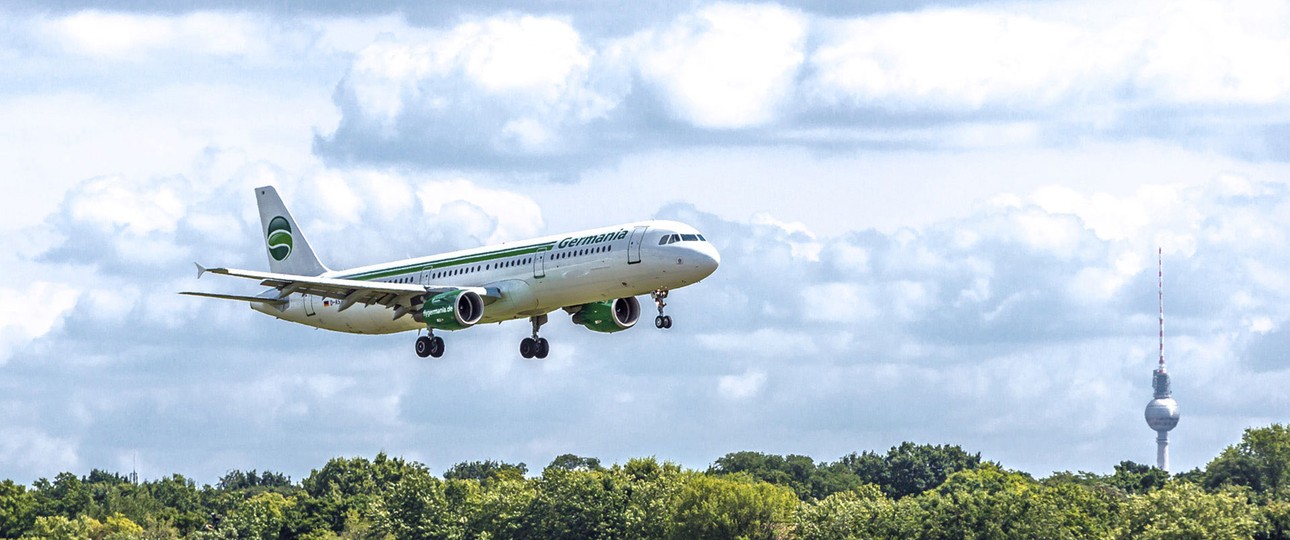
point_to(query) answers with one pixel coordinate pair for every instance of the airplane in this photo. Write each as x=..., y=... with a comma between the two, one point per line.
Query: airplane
x=593, y=275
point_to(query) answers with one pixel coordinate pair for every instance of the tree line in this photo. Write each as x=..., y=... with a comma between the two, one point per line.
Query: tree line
x=911, y=491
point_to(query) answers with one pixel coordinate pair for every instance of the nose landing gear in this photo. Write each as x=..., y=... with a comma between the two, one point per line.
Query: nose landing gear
x=535, y=347
x=430, y=345
x=661, y=321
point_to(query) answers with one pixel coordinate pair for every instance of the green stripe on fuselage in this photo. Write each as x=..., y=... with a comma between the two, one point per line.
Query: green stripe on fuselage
x=449, y=263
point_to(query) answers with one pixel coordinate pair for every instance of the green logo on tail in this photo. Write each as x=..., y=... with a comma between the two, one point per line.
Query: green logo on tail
x=279, y=238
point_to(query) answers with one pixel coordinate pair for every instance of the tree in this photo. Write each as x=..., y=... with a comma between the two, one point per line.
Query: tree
x=1185, y=510
x=66, y=496
x=235, y=480
x=178, y=502
x=1273, y=521
x=17, y=509
x=570, y=462
x=1261, y=461
x=860, y=513
x=652, y=489
x=800, y=473
x=261, y=517
x=986, y=502
x=118, y=527
x=345, y=485
x=989, y=502
x=63, y=528
x=1136, y=479
x=576, y=504
x=730, y=507
x=485, y=470
x=1084, y=511
x=416, y=508
x=910, y=468
x=499, y=506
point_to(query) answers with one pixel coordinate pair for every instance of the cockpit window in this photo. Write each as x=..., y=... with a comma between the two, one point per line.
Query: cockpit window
x=673, y=238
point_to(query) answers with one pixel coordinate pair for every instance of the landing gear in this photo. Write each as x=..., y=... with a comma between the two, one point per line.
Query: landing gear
x=535, y=347
x=431, y=345
x=661, y=321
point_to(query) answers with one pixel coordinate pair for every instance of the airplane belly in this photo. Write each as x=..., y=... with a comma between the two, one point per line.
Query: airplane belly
x=326, y=314
x=373, y=319
x=518, y=298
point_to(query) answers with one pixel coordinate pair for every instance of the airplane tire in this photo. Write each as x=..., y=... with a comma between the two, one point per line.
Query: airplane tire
x=436, y=347
x=658, y=321
x=667, y=321
x=526, y=347
x=424, y=346
x=543, y=347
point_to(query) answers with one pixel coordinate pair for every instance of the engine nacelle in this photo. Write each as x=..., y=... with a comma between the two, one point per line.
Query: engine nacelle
x=453, y=310
x=609, y=315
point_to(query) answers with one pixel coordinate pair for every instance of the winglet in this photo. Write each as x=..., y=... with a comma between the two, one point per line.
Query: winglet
x=200, y=269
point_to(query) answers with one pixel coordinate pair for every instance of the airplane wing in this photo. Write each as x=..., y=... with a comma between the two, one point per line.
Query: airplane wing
x=403, y=297
x=259, y=299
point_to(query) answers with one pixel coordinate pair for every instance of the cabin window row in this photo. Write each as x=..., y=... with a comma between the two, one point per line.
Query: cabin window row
x=477, y=268
x=468, y=270
x=581, y=252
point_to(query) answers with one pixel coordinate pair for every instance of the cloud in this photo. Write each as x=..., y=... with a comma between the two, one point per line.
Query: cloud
x=739, y=387
x=32, y=312
x=131, y=37
x=513, y=88
x=952, y=59
x=514, y=92
x=727, y=65
x=33, y=450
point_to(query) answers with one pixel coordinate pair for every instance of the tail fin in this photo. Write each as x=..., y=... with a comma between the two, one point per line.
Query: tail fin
x=289, y=251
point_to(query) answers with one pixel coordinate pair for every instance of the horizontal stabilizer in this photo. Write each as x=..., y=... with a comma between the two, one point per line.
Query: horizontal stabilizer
x=262, y=300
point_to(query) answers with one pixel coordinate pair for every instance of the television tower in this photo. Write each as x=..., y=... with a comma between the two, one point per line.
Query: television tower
x=1162, y=412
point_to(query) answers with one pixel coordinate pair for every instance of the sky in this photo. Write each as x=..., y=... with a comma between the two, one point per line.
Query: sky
x=938, y=223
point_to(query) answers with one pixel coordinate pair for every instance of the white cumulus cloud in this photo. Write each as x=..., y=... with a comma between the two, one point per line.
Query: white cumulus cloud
x=727, y=65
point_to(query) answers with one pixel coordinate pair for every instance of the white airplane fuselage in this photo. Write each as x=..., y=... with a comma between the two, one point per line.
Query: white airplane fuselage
x=528, y=278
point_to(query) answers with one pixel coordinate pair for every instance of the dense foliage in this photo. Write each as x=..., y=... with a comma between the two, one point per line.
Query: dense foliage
x=912, y=491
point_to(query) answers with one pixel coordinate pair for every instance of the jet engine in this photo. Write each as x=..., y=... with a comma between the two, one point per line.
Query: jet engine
x=609, y=315
x=453, y=310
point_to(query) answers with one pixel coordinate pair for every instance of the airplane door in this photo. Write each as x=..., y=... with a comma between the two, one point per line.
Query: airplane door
x=634, y=245
x=539, y=264
x=309, y=305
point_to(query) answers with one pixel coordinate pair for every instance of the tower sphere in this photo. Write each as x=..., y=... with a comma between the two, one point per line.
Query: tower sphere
x=1162, y=414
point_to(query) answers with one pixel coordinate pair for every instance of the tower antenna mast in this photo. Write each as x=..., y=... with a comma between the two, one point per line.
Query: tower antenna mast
x=1162, y=412
x=1160, y=297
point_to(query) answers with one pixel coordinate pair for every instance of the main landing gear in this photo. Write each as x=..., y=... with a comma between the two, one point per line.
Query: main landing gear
x=430, y=345
x=661, y=321
x=535, y=347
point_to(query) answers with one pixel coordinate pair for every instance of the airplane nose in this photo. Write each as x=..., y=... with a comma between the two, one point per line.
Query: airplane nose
x=706, y=258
